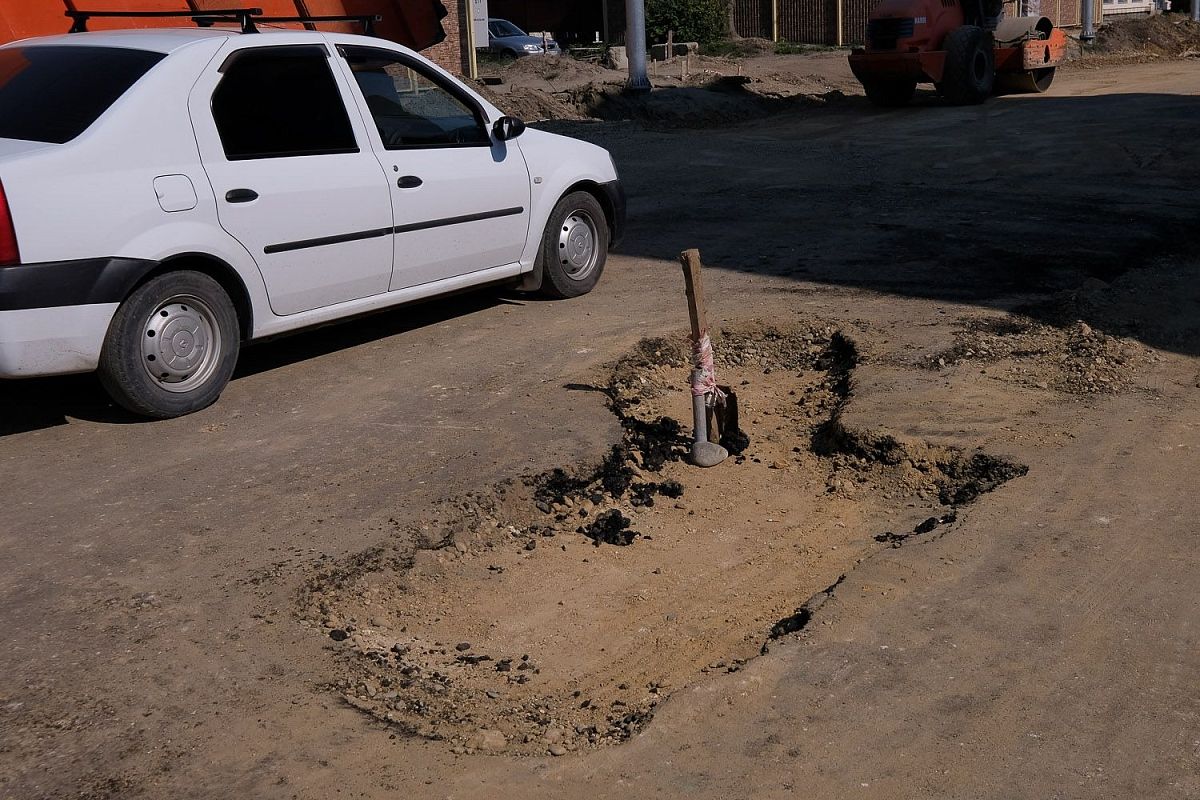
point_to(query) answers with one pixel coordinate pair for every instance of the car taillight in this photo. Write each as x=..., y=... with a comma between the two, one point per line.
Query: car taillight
x=9, y=252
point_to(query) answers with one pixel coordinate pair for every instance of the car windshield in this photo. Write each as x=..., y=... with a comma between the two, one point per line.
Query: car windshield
x=506, y=28
x=54, y=93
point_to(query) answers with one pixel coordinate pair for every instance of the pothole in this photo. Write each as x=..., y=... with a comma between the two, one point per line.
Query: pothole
x=555, y=612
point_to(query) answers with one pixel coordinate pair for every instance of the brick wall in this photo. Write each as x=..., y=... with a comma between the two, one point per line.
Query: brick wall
x=452, y=54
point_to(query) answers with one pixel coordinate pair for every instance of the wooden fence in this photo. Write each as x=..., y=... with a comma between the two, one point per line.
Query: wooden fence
x=844, y=22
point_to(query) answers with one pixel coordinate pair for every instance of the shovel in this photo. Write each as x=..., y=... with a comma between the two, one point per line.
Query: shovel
x=709, y=401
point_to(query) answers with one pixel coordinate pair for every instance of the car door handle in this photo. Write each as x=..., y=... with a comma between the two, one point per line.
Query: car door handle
x=240, y=196
x=408, y=181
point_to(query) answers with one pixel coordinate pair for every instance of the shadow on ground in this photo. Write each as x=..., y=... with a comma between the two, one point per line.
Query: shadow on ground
x=45, y=402
x=1008, y=204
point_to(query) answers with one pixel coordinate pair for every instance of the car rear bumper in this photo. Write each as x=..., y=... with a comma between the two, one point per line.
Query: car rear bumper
x=615, y=193
x=54, y=340
x=54, y=315
x=70, y=283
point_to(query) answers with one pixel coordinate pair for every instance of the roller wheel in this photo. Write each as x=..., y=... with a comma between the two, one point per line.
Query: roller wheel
x=1032, y=82
x=970, y=72
x=890, y=94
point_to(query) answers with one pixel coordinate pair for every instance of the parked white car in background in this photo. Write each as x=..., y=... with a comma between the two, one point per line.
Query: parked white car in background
x=167, y=195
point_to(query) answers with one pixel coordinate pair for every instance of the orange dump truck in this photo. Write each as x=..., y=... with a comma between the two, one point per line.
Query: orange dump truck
x=414, y=23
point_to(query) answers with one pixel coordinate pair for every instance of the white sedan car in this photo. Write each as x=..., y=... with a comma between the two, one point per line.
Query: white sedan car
x=167, y=195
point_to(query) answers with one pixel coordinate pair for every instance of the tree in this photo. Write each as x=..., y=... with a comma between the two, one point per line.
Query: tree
x=692, y=20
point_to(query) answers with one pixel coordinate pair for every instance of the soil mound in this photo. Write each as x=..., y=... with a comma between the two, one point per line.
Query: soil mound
x=558, y=72
x=1164, y=35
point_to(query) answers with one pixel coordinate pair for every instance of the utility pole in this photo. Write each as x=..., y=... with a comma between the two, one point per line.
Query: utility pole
x=635, y=45
x=1195, y=10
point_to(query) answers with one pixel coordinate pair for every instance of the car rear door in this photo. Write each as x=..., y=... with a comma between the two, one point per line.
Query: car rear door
x=294, y=179
x=460, y=199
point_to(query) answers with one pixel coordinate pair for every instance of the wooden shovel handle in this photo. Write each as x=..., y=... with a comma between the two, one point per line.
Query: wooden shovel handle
x=690, y=259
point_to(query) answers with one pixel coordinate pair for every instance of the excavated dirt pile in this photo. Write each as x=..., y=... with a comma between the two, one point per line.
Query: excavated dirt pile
x=1071, y=357
x=1159, y=36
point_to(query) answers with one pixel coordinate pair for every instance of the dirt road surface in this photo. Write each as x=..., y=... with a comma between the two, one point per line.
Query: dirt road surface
x=957, y=558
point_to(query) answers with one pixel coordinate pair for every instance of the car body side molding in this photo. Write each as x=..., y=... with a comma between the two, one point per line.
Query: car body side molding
x=369, y=234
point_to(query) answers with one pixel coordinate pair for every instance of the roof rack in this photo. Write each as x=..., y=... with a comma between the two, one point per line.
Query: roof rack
x=243, y=17
x=205, y=19
x=366, y=20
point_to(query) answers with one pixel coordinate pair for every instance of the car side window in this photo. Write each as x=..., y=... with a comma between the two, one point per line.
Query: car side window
x=411, y=108
x=276, y=102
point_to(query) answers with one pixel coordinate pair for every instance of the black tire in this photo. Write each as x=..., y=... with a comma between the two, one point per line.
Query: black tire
x=891, y=93
x=970, y=71
x=574, y=246
x=171, y=347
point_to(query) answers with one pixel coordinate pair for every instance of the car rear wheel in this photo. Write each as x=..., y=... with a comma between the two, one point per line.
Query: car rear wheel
x=574, y=246
x=171, y=347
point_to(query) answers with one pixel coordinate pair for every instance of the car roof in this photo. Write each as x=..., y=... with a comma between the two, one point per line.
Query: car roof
x=168, y=40
x=160, y=40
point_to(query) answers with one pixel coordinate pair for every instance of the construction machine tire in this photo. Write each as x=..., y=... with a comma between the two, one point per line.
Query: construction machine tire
x=970, y=72
x=1033, y=82
x=890, y=93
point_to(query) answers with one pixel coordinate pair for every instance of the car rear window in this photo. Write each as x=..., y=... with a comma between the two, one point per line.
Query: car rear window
x=54, y=93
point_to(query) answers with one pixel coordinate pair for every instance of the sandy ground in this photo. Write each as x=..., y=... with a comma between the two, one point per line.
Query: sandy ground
x=956, y=559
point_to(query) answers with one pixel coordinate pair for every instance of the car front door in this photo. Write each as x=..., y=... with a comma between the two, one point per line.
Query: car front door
x=294, y=179
x=460, y=199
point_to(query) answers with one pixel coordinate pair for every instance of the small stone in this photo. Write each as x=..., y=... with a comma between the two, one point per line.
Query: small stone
x=462, y=647
x=338, y=635
x=557, y=750
x=779, y=465
x=460, y=547
x=488, y=741
x=531, y=544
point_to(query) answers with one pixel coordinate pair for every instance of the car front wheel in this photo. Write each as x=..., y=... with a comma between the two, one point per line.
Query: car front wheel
x=574, y=246
x=171, y=347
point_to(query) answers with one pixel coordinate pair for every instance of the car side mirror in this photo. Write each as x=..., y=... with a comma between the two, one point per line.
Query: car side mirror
x=507, y=128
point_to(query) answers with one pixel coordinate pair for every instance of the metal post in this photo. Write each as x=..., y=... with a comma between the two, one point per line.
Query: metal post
x=1195, y=10
x=635, y=45
x=774, y=20
x=472, y=59
x=1087, y=12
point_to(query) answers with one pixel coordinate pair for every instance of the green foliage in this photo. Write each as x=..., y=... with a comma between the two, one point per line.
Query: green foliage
x=783, y=48
x=692, y=20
